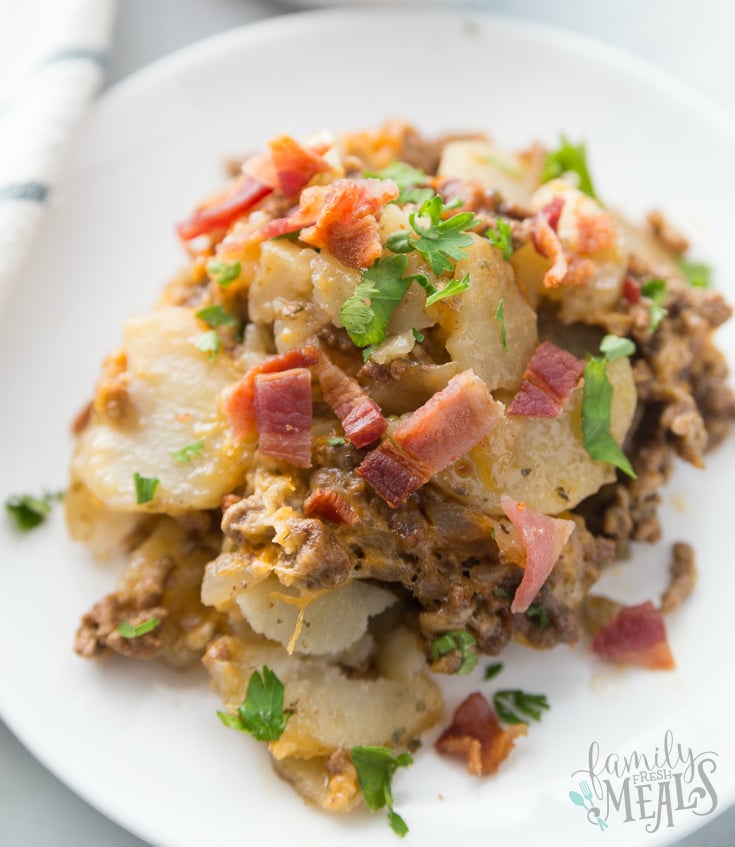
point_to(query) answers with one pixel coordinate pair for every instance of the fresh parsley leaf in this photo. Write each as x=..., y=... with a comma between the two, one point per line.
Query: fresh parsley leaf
x=500, y=318
x=540, y=613
x=614, y=347
x=569, y=158
x=376, y=767
x=515, y=706
x=188, y=451
x=128, y=630
x=596, y=406
x=336, y=441
x=28, y=511
x=408, y=179
x=441, y=241
x=222, y=273
x=215, y=316
x=209, y=342
x=457, y=640
x=367, y=313
x=697, y=274
x=433, y=294
x=492, y=671
x=655, y=290
x=500, y=591
x=261, y=713
x=145, y=487
x=500, y=237
x=419, y=336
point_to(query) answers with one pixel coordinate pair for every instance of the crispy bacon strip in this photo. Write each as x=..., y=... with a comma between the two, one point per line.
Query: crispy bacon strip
x=596, y=231
x=636, y=636
x=449, y=424
x=219, y=213
x=543, y=538
x=283, y=415
x=287, y=166
x=476, y=733
x=549, y=379
x=329, y=506
x=362, y=420
x=553, y=210
x=239, y=402
x=548, y=244
x=346, y=224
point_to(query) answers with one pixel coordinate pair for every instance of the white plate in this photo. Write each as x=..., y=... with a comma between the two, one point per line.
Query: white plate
x=142, y=743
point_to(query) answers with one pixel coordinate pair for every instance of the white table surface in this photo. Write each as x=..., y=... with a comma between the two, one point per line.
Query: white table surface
x=690, y=41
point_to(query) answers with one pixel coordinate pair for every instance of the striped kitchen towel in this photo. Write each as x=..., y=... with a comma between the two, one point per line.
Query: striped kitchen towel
x=53, y=62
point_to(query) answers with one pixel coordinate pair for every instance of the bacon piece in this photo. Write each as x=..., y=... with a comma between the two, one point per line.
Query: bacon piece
x=636, y=636
x=548, y=244
x=631, y=290
x=330, y=506
x=362, y=420
x=392, y=473
x=287, y=166
x=549, y=379
x=449, y=424
x=239, y=402
x=346, y=225
x=476, y=733
x=552, y=210
x=543, y=538
x=225, y=209
x=596, y=231
x=282, y=403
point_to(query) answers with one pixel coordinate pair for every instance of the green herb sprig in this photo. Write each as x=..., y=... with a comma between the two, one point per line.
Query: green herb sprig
x=222, y=273
x=457, y=640
x=28, y=511
x=501, y=238
x=128, y=630
x=145, y=487
x=376, y=767
x=516, y=706
x=261, y=713
x=569, y=158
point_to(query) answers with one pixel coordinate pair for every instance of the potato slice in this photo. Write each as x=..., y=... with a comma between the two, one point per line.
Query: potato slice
x=331, y=622
x=173, y=391
x=541, y=461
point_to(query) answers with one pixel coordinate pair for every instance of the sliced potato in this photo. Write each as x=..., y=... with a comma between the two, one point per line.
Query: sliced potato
x=541, y=461
x=92, y=523
x=173, y=391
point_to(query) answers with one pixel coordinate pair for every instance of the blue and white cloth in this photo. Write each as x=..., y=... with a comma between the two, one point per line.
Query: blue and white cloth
x=63, y=57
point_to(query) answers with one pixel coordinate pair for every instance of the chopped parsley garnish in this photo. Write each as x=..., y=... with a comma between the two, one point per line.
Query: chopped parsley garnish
x=433, y=294
x=419, y=336
x=569, y=158
x=492, y=671
x=128, y=630
x=367, y=313
x=336, y=440
x=215, y=316
x=655, y=290
x=223, y=273
x=28, y=511
x=596, y=409
x=145, y=487
x=500, y=237
x=500, y=591
x=209, y=342
x=615, y=347
x=408, y=179
x=441, y=241
x=500, y=318
x=375, y=768
x=697, y=274
x=457, y=640
x=188, y=451
x=516, y=706
x=540, y=613
x=261, y=713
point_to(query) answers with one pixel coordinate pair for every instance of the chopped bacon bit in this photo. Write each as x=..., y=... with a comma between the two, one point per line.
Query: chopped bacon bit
x=476, y=733
x=449, y=424
x=239, y=402
x=346, y=225
x=543, y=538
x=636, y=636
x=287, y=166
x=330, y=506
x=471, y=194
x=551, y=371
x=283, y=415
x=631, y=290
x=552, y=210
x=579, y=271
x=596, y=231
x=361, y=418
x=392, y=473
x=547, y=243
x=219, y=213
